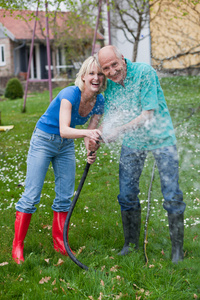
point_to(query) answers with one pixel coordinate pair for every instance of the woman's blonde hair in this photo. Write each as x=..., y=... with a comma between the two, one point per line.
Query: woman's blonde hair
x=85, y=69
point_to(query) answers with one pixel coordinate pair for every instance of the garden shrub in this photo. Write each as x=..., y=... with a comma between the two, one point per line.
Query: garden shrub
x=14, y=89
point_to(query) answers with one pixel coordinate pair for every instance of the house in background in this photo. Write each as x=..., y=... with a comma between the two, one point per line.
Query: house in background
x=169, y=41
x=16, y=31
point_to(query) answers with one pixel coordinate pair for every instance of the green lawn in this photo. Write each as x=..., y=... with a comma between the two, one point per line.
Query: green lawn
x=96, y=230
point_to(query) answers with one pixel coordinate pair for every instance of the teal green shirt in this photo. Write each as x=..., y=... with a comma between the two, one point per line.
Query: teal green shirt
x=142, y=91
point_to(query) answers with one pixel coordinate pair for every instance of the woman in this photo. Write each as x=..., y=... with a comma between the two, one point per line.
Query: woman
x=52, y=141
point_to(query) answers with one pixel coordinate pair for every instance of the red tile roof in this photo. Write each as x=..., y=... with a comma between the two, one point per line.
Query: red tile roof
x=21, y=24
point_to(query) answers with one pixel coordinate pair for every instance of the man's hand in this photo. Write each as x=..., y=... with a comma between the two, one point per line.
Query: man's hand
x=113, y=135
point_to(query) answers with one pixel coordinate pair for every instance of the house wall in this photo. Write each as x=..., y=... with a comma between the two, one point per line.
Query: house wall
x=175, y=34
x=8, y=69
x=119, y=40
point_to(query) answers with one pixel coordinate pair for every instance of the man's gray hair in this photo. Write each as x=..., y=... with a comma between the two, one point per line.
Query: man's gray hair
x=115, y=50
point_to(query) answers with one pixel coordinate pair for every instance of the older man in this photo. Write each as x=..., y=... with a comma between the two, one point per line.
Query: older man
x=135, y=96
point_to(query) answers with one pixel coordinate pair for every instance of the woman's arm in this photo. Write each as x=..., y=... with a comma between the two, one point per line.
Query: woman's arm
x=72, y=133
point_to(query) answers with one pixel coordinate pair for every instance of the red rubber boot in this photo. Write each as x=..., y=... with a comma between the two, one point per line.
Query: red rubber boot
x=21, y=227
x=57, y=231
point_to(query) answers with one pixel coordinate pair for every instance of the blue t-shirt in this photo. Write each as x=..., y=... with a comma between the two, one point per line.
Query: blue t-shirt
x=49, y=121
x=142, y=92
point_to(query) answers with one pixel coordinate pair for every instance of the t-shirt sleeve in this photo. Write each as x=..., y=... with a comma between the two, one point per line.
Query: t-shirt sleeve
x=70, y=93
x=148, y=86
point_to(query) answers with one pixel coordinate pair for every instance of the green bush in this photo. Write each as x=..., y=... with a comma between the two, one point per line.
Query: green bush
x=14, y=89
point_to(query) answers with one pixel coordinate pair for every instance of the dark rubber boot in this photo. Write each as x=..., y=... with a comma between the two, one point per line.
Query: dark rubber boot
x=57, y=231
x=176, y=230
x=21, y=227
x=131, y=220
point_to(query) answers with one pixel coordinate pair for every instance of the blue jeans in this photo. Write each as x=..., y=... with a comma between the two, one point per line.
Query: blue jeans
x=130, y=169
x=46, y=148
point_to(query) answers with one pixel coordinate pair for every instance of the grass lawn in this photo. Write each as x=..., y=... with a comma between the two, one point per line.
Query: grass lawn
x=96, y=229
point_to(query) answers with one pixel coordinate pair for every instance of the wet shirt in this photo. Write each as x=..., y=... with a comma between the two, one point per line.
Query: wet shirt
x=49, y=121
x=142, y=91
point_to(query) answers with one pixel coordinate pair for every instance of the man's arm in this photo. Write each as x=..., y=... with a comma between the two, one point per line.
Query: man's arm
x=90, y=144
x=145, y=116
x=140, y=121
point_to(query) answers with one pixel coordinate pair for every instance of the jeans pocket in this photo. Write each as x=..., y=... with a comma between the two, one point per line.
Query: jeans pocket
x=42, y=135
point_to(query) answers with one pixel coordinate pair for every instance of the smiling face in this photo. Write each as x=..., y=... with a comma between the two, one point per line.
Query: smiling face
x=112, y=66
x=93, y=79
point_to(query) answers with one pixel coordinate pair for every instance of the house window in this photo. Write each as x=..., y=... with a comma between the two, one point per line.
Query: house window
x=2, y=55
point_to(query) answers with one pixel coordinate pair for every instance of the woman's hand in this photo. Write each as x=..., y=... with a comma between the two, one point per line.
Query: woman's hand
x=93, y=134
x=91, y=157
